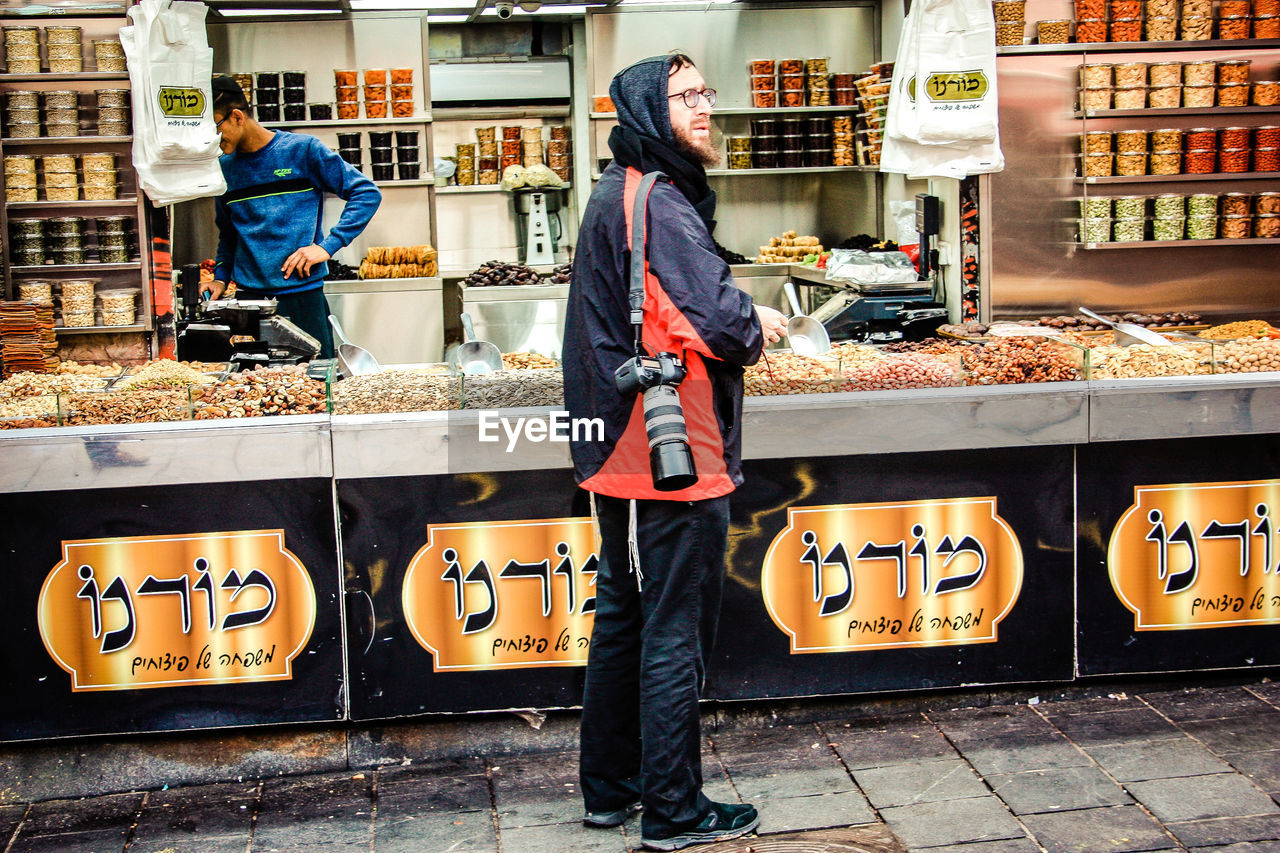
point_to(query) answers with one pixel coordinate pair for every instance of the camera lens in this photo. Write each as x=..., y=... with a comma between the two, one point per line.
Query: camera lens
x=670, y=457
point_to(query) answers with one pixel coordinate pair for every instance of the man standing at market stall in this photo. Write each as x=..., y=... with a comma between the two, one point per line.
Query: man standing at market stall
x=270, y=235
x=664, y=532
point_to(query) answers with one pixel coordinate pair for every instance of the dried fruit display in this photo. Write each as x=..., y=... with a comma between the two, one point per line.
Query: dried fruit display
x=264, y=391
x=1017, y=360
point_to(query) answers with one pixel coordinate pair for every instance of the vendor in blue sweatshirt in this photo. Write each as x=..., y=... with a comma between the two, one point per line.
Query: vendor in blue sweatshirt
x=270, y=237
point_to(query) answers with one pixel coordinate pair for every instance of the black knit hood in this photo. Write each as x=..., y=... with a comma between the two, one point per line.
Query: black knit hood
x=643, y=138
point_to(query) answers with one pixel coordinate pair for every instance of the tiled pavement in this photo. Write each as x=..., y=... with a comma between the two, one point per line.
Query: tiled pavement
x=1190, y=769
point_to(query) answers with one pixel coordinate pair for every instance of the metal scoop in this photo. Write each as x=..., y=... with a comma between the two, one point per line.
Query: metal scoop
x=353, y=360
x=806, y=335
x=1128, y=334
x=476, y=356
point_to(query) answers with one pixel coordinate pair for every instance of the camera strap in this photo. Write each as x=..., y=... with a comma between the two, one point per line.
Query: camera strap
x=639, y=232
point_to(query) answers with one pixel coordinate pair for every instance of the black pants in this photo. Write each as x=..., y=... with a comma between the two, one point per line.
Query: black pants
x=309, y=310
x=641, y=733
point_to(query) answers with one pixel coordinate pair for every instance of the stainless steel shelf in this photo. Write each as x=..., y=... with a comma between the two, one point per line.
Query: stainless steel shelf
x=1176, y=111
x=1160, y=179
x=91, y=330
x=1127, y=46
x=68, y=140
x=759, y=111
x=420, y=182
x=487, y=188
x=799, y=170
x=129, y=201
x=491, y=113
x=57, y=268
x=350, y=122
x=1178, y=244
x=89, y=76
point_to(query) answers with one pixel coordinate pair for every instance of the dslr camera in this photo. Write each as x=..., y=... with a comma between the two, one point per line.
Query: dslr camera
x=656, y=377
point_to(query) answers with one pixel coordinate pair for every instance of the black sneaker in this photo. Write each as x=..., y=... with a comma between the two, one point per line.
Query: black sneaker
x=723, y=822
x=607, y=820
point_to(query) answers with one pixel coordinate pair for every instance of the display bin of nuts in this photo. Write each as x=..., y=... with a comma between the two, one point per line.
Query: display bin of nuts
x=262, y=392
x=1247, y=355
x=513, y=389
x=1184, y=358
x=126, y=406
x=426, y=389
x=30, y=412
x=1024, y=359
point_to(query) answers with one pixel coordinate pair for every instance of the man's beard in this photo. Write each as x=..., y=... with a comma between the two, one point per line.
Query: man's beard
x=700, y=150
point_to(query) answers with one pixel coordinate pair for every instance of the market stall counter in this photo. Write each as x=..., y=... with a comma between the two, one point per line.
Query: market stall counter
x=884, y=540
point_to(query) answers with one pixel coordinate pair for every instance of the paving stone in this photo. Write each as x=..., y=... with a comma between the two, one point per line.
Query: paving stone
x=1227, y=830
x=875, y=743
x=318, y=789
x=987, y=724
x=101, y=841
x=1116, y=727
x=563, y=838
x=781, y=743
x=1204, y=703
x=1244, y=847
x=191, y=816
x=283, y=813
x=403, y=832
x=919, y=782
x=952, y=822
x=1268, y=692
x=1113, y=701
x=1008, y=845
x=1057, y=790
x=316, y=832
x=1117, y=829
x=10, y=817
x=88, y=815
x=821, y=811
x=1256, y=733
x=1163, y=759
x=1262, y=767
x=438, y=793
x=203, y=793
x=990, y=757
x=548, y=770
x=766, y=782
x=1222, y=795
x=191, y=844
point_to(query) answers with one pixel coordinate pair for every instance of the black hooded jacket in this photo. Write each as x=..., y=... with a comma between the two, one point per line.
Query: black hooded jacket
x=692, y=307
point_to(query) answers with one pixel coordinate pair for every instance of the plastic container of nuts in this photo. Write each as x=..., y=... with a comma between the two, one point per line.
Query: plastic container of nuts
x=1053, y=31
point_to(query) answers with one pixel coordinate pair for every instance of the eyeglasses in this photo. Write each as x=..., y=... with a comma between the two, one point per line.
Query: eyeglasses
x=691, y=96
x=218, y=124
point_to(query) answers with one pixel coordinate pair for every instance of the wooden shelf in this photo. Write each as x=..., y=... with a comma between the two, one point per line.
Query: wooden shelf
x=68, y=140
x=92, y=330
x=1179, y=244
x=1160, y=179
x=129, y=201
x=85, y=76
x=60, y=268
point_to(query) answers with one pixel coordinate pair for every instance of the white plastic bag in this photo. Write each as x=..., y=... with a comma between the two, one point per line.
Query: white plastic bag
x=955, y=77
x=175, y=143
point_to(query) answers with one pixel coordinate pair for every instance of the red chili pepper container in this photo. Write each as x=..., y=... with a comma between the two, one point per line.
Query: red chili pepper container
x=1200, y=161
x=1266, y=160
x=1234, y=159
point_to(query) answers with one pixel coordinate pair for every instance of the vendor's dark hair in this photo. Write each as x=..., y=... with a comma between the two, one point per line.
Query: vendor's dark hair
x=677, y=61
x=228, y=96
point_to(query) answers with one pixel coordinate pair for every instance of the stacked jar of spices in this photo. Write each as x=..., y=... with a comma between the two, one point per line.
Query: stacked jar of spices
x=61, y=179
x=108, y=55
x=266, y=96
x=77, y=299
x=1201, y=151
x=375, y=93
x=1091, y=20
x=509, y=149
x=531, y=153
x=408, y=157
x=115, y=239
x=1130, y=223
x=119, y=307
x=1011, y=22
x=1197, y=20
x=1166, y=151
x=739, y=152
x=22, y=50
x=293, y=96
x=61, y=112
x=466, y=156
x=380, y=156
x=1097, y=80
x=791, y=82
x=1131, y=86
x=1053, y=32
x=817, y=85
x=402, y=92
x=1161, y=20
x=26, y=242
x=113, y=112
x=559, y=150
x=346, y=92
x=1095, y=219
x=1169, y=217
x=842, y=145
x=65, y=49
x=844, y=90
x=19, y=177
x=37, y=290
x=64, y=239
x=763, y=78
x=488, y=161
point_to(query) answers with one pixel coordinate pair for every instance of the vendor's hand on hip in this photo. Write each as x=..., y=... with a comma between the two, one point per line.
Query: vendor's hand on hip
x=303, y=260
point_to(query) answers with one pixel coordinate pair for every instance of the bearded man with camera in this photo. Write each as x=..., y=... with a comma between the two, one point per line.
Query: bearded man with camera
x=656, y=336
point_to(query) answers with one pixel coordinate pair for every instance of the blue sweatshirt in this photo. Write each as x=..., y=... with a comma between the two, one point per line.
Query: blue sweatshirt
x=273, y=206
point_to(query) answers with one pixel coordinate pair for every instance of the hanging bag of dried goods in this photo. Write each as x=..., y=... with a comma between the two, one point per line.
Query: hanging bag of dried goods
x=175, y=143
x=955, y=87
